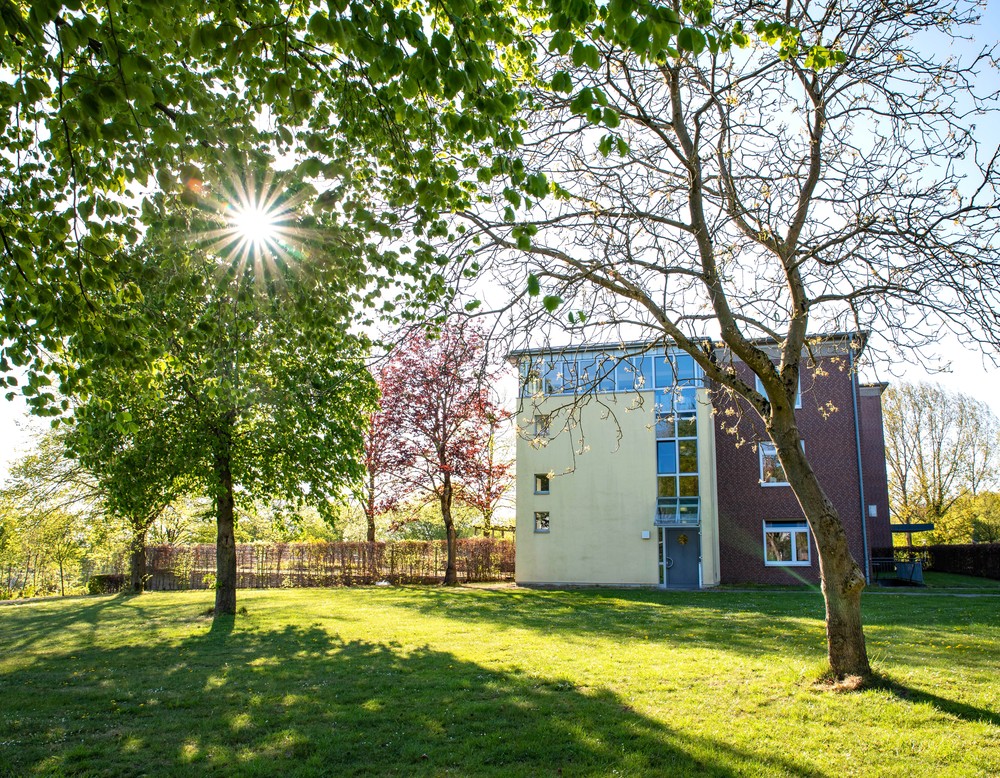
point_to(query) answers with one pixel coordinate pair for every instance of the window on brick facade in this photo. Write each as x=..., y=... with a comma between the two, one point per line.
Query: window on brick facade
x=771, y=471
x=786, y=544
x=798, y=391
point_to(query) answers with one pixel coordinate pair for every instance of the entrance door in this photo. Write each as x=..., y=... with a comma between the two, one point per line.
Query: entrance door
x=681, y=554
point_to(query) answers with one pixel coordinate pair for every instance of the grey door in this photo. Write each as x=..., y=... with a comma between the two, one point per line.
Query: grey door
x=682, y=551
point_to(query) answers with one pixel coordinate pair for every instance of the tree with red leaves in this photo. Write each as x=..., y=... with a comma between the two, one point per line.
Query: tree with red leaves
x=435, y=394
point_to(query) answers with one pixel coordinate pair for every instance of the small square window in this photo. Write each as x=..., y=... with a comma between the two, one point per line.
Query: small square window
x=771, y=471
x=542, y=424
x=541, y=483
x=786, y=544
x=541, y=521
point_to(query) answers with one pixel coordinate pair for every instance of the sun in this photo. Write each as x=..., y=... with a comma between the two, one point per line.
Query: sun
x=256, y=225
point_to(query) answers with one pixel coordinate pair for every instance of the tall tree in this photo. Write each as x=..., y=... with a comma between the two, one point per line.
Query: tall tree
x=436, y=393
x=940, y=446
x=45, y=510
x=262, y=388
x=804, y=184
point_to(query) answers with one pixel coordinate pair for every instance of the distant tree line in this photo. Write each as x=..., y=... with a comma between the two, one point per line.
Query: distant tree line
x=943, y=456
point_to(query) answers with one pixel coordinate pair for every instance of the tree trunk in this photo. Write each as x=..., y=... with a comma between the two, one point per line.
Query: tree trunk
x=370, y=509
x=841, y=576
x=225, y=541
x=488, y=523
x=62, y=583
x=451, y=572
x=137, y=562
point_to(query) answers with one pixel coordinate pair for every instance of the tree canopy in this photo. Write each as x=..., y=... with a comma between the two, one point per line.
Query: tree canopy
x=106, y=103
x=753, y=194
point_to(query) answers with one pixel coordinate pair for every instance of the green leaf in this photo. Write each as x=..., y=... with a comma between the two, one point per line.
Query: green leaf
x=582, y=102
x=551, y=302
x=691, y=39
x=534, y=287
x=562, y=82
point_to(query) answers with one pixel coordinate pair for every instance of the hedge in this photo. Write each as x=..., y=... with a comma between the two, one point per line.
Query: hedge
x=978, y=559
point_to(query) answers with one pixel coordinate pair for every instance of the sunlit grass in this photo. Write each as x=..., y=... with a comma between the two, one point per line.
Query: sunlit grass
x=427, y=681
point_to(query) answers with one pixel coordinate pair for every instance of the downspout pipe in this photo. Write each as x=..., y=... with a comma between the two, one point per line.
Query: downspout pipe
x=855, y=388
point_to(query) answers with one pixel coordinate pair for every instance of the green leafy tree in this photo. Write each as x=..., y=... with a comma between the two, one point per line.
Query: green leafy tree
x=255, y=391
x=122, y=439
x=940, y=447
x=46, y=510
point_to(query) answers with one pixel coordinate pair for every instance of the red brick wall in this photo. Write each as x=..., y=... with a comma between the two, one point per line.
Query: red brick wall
x=826, y=421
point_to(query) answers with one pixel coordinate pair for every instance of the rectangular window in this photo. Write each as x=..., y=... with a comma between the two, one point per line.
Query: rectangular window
x=634, y=374
x=798, y=392
x=541, y=483
x=605, y=374
x=666, y=487
x=663, y=372
x=666, y=456
x=541, y=521
x=677, y=510
x=542, y=423
x=686, y=368
x=786, y=544
x=771, y=471
x=531, y=377
x=688, y=456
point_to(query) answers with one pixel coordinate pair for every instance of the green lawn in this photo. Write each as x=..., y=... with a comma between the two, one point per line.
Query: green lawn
x=505, y=682
x=960, y=582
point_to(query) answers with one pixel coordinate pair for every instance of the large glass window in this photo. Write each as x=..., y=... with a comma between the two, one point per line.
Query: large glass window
x=786, y=543
x=677, y=499
x=673, y=372
x=633, y=374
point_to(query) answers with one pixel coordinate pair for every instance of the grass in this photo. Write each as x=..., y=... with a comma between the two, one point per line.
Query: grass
x=961, y=583
x=504, y=682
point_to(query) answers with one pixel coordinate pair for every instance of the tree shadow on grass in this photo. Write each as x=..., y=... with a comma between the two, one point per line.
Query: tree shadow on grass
x=733, y=621
x=954, y=708
x=25, y=625
x=299, y=701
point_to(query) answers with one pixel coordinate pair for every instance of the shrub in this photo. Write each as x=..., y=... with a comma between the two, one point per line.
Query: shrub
x=106, y=584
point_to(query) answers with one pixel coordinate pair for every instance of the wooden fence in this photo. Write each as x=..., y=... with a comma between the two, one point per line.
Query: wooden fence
x=266, y=566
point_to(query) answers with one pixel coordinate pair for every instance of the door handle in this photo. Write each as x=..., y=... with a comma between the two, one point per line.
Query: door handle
x=669, y=563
